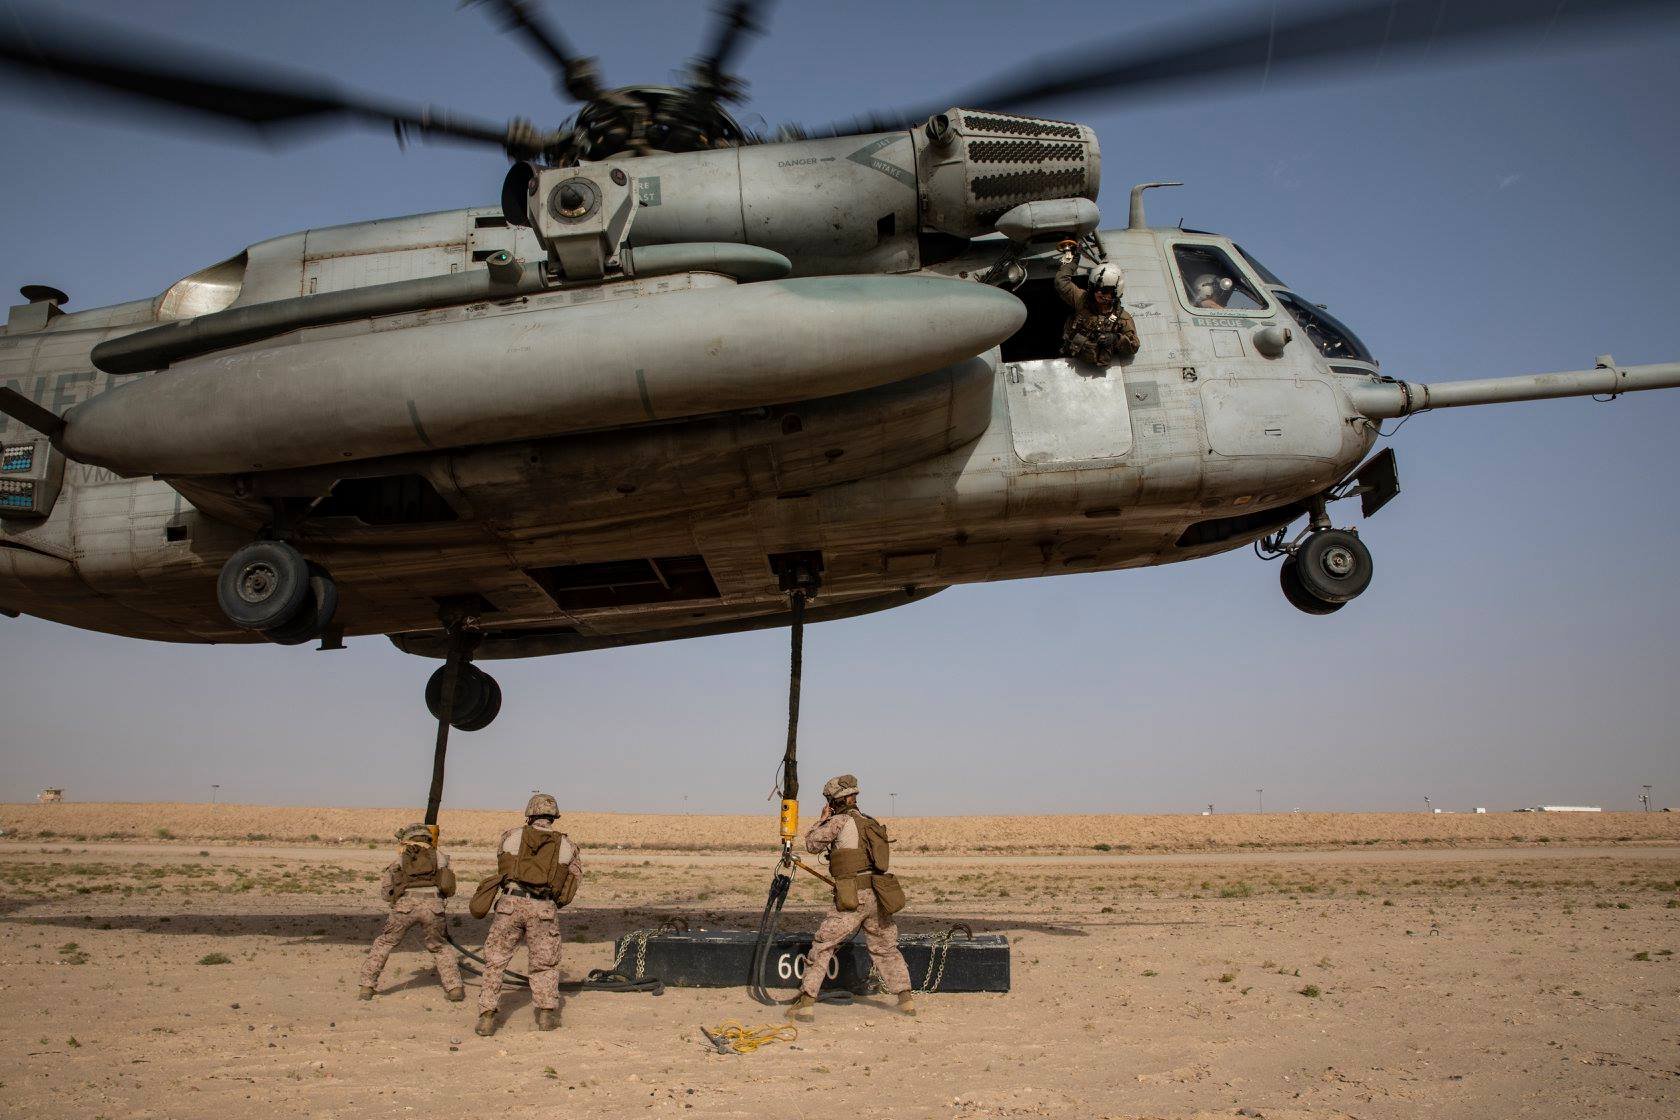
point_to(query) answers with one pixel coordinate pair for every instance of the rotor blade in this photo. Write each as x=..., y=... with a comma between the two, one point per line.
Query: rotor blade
x=734, y=23
x=1363, y=33
x=149, y=75
x=577, y=75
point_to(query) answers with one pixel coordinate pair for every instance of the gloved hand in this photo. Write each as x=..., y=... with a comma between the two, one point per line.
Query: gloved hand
x=1067, y=246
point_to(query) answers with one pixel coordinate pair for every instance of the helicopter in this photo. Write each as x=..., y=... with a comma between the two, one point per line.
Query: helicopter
x=684, y=370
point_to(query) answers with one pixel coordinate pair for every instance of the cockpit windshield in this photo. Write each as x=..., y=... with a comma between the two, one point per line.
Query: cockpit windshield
x=1333, y=339
x=1266, y=274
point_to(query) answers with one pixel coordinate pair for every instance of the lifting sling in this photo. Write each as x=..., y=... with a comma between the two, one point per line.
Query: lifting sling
x=770, y=920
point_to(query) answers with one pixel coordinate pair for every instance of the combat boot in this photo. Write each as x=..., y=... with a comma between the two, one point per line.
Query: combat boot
x=548, y=1018
x=801, y=1008
x=486, y=1024
x=366, y=992
x=454, y=995
x=906, y=1004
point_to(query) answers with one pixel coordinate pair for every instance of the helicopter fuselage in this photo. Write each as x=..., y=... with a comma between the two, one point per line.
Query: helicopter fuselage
x=1012, y=464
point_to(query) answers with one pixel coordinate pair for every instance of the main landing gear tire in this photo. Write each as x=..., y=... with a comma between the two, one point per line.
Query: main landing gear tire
x=1289, y=577
x=314, y=616
x=478, y=698
x=263, y=585
x=1331, y=567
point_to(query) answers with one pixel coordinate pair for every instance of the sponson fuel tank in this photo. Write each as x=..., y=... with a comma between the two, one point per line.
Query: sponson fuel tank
x=418, y=383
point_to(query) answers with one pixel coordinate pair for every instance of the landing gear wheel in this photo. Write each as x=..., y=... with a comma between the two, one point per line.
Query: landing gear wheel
x=1333, y=566
x=478, y=698
x=314, y=616
x=263, y=585
x=1290, y=577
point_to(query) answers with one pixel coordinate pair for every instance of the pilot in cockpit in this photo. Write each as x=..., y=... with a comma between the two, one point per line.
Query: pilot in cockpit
x=1211, y=291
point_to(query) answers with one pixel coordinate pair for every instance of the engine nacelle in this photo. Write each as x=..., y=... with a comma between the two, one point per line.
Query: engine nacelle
x=844, y=204
x=975, y=166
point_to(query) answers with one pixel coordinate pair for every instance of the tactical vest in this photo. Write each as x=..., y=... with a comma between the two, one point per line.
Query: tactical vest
x=537, y=867
x=417, y=866
x=871, y=856
x=1091, y=338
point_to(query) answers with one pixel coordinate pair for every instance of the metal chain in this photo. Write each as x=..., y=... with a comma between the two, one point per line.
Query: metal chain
x=640, y=939
x=940, y=955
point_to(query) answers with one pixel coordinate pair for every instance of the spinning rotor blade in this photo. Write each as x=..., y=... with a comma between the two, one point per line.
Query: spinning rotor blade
x=1362, y=33
x=150, y=75
x=734, y=23
x=577, y=74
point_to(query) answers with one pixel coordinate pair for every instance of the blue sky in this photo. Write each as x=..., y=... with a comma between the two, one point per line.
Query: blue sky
x=1487, y=214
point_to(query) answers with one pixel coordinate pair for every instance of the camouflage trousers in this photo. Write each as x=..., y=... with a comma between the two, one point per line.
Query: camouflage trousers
x=413, y=910
x=536, y=921
x=880, y=934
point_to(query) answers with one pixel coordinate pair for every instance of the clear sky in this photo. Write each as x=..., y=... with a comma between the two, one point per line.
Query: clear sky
x=1486, y=214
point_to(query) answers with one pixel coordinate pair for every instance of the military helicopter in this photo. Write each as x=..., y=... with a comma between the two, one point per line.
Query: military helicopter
x=684, y=372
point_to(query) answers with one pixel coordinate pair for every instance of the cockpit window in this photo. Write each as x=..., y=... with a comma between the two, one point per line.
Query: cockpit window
x=1212, y=282
x=1328, y=333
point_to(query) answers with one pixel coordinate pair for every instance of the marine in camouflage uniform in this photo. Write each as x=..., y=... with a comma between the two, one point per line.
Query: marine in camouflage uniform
x=1099, y=331
x=415, y=884
x=540, y=869
x=840, y=835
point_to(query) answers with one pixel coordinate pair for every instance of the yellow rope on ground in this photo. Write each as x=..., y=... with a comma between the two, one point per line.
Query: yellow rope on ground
x=742, y=1039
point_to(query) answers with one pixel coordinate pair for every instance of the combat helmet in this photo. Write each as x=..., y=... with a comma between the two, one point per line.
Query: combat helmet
x=846, y=785
x=418, y=833
x=542, y=805
x=1109, y=277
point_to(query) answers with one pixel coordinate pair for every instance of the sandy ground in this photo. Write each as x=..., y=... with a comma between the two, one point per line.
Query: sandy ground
x=1531, y=981
x=965, y=835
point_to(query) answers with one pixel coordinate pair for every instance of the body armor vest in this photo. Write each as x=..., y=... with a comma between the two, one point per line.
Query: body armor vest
x=417, y=867
x=537, y=867
x=1093, y=337
x=871, y=856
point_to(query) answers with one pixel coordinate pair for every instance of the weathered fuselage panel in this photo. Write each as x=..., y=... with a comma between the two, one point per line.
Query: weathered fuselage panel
x=1005, y=466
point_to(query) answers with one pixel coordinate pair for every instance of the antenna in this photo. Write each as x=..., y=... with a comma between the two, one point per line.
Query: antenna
x=1134, y=219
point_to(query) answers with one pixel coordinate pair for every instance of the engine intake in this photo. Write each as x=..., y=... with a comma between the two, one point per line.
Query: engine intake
x=970, y=165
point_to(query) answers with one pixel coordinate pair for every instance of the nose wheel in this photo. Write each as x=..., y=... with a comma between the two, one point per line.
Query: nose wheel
x=270, y=588
x=1326, y=571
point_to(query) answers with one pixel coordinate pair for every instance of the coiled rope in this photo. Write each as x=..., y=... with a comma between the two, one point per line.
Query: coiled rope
x=733, y=1035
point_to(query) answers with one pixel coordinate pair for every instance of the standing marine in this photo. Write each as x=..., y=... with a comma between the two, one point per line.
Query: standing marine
x=415, y=885
x=537, y=872
x=865, y=894
x=1099, y=331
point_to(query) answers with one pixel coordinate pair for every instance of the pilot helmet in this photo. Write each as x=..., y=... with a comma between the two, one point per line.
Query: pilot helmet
x=1209, y=286
x=1109, y=277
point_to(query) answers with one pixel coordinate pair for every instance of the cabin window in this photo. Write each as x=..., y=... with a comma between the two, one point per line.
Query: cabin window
x=1325, y=331
x=1213, y=282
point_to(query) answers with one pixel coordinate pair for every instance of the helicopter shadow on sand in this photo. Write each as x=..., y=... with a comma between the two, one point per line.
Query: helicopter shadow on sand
x=578, y=926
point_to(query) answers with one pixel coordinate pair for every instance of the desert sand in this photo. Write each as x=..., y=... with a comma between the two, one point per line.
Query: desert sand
x=1510, y=978
x=967, y=835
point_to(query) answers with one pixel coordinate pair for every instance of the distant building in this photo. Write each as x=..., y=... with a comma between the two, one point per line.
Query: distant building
x=1568, y=809
x=49, y=795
